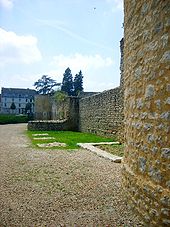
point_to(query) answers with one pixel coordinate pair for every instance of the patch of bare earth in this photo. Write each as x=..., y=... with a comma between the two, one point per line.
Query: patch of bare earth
x=56, y=187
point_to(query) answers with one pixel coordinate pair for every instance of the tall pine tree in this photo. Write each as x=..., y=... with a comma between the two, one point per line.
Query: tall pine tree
x=78, y=83
x=67, y=83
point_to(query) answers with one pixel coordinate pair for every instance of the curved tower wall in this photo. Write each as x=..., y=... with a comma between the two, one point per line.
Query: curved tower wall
x=146, y=165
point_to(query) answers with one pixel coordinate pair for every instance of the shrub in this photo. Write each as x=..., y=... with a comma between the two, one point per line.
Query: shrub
x=12, y=119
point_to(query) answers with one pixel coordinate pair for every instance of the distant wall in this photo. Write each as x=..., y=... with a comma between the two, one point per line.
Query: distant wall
x=43, y=107
x=47, y=108
x=86, y=94
x=47, y=125
x=67, y=110
x=102, y=114
x=147, y=109
x=61, y=109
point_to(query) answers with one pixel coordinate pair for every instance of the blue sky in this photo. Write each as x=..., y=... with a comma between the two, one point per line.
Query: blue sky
x=44, y=37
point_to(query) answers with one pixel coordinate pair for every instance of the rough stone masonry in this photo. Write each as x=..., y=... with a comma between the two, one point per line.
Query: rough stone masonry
x=147, y=108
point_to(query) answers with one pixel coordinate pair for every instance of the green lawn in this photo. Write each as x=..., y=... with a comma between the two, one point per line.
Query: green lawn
x=12, y=119
x=68, y=137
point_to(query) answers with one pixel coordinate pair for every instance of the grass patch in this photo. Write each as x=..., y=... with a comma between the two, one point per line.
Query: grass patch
x=113, y=149
x=70, y=138
x=12, y=119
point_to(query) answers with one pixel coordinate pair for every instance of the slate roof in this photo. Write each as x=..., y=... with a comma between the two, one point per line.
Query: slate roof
x=17, y=92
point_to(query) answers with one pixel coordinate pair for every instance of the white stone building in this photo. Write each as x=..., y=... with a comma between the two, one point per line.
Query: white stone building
x=15, y=100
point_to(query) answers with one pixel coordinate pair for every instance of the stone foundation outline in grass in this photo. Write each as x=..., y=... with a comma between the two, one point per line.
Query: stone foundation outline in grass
x=91, y=147
x=69, y=137
x=41, y=134
x=54, y=144
x=44, y=138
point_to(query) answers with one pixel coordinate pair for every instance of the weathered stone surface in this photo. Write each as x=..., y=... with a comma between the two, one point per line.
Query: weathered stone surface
x=54, y=144
x=166, y=57
x=43, y=105
x=149, y=91
x=165, y=115
x=146, y=106
x=102, y=114
x=47, y=108
x=165, y=153
x=166, y=222
x=44, y=138
x=142, y=164
x=40, y=134
x=48, y=125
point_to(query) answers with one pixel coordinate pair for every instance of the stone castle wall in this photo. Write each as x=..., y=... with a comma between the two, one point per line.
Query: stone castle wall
x=43, y=107
x=67, y=110
x=102, y=114
x=48, y=125
x=60, y=110
x=51, y=115
x=147, y=109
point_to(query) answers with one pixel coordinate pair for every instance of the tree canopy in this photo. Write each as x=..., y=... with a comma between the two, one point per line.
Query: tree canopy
x=45, y=85
x=78, y=83
x=67, y=83
x=72, y=88
x=13, y=107
x=28, y=107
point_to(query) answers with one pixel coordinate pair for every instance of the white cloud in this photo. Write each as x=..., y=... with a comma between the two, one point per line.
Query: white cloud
x=18, y=49
x=83, y=62
x=7, y=4
x=98, y=72
x=94, y=68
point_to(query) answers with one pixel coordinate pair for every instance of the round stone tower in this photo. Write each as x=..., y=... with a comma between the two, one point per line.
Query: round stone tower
x=146, y=166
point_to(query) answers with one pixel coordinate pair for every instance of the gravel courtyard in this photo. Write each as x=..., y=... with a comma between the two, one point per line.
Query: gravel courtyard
x=57, y=188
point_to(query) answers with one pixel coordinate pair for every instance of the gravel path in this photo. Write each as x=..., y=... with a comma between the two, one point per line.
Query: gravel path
x=57, y=188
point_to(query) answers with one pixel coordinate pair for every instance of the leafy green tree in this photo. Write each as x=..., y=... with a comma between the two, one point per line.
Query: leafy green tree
x=45, y=85
x=60, y=96
x=67, y=83
x=28, y=111
x=12, y=107
x=78, y=83
x=28, y=108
